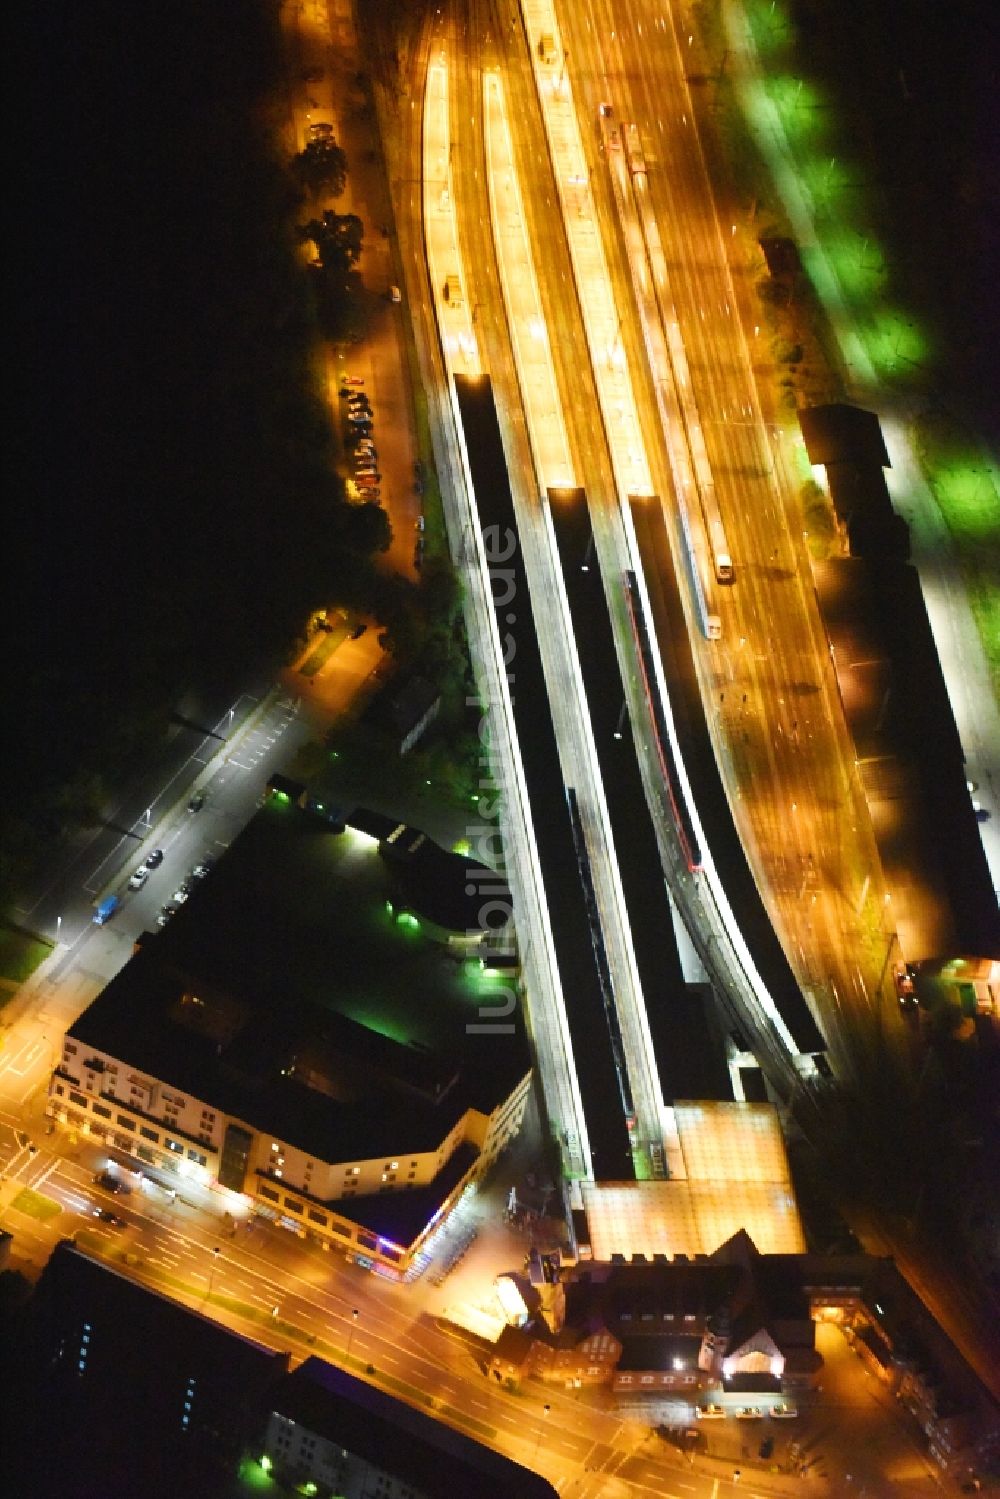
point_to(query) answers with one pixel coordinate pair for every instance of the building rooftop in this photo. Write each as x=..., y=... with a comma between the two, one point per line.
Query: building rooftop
x=433, y=1457
x=452, y=890
x=288, y=992
x=119, y=1385
x=839, y=433
x=402, y=706
x=665, y=1353
x=737, y=1176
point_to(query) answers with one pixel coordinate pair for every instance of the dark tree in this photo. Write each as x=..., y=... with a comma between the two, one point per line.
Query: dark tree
x=369, y=529
x=322, y=166
x=338, y=238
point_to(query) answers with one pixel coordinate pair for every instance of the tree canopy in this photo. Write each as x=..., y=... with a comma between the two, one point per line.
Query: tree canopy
x=338, y=238
x=321, y=167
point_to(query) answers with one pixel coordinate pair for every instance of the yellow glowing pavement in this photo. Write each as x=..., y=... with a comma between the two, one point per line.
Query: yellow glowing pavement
x=444, y=258
x=528, y=331
x=590, y=268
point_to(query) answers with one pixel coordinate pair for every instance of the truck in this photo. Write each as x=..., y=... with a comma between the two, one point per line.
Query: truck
x=633, y=150
x=721, y=559
x=547, y=48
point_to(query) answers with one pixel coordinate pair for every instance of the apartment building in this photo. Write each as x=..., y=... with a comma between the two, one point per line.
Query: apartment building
x=291, y=1039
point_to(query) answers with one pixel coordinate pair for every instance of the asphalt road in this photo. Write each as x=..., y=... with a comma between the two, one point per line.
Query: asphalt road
x=609, y=58
x=767, y=685
x=266, y=1283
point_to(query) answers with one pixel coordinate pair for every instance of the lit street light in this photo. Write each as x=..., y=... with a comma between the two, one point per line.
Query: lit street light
x=216, y=1251
x=355, y=1314
x=538, y=1437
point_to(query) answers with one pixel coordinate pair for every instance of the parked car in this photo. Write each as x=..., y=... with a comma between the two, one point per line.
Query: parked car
x=347, y=381
x=784, y=1412
x=358, y=631
x=182, y=892
x=154, y=858
x=418, y=524
x=197, y=801
x=170, y=909
x=749, y=1413
x=320, y=129
x=138, y=878
x=709, y=1412
x=201, y=870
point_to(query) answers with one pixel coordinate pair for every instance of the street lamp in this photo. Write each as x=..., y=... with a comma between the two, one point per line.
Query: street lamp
x=538, y=1436
x=58, y=927
x=355, y=1314
x=216, y=1251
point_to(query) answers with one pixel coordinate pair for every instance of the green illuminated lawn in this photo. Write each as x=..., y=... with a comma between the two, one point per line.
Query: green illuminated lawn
x=883, y=341
x=20, y=954
x=966, y=488
x=35, y=1205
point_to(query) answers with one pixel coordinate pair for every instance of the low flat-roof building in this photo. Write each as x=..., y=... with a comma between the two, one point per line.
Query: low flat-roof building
x=295, y=1037
x=406, y=710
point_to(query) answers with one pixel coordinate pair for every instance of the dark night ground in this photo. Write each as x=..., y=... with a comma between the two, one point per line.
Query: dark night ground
x=162, y=453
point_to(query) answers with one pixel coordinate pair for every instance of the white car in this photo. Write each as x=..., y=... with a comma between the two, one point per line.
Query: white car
x=784, y=1412
x=709, y=1412
x=139, y=878
x=749, y=1413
